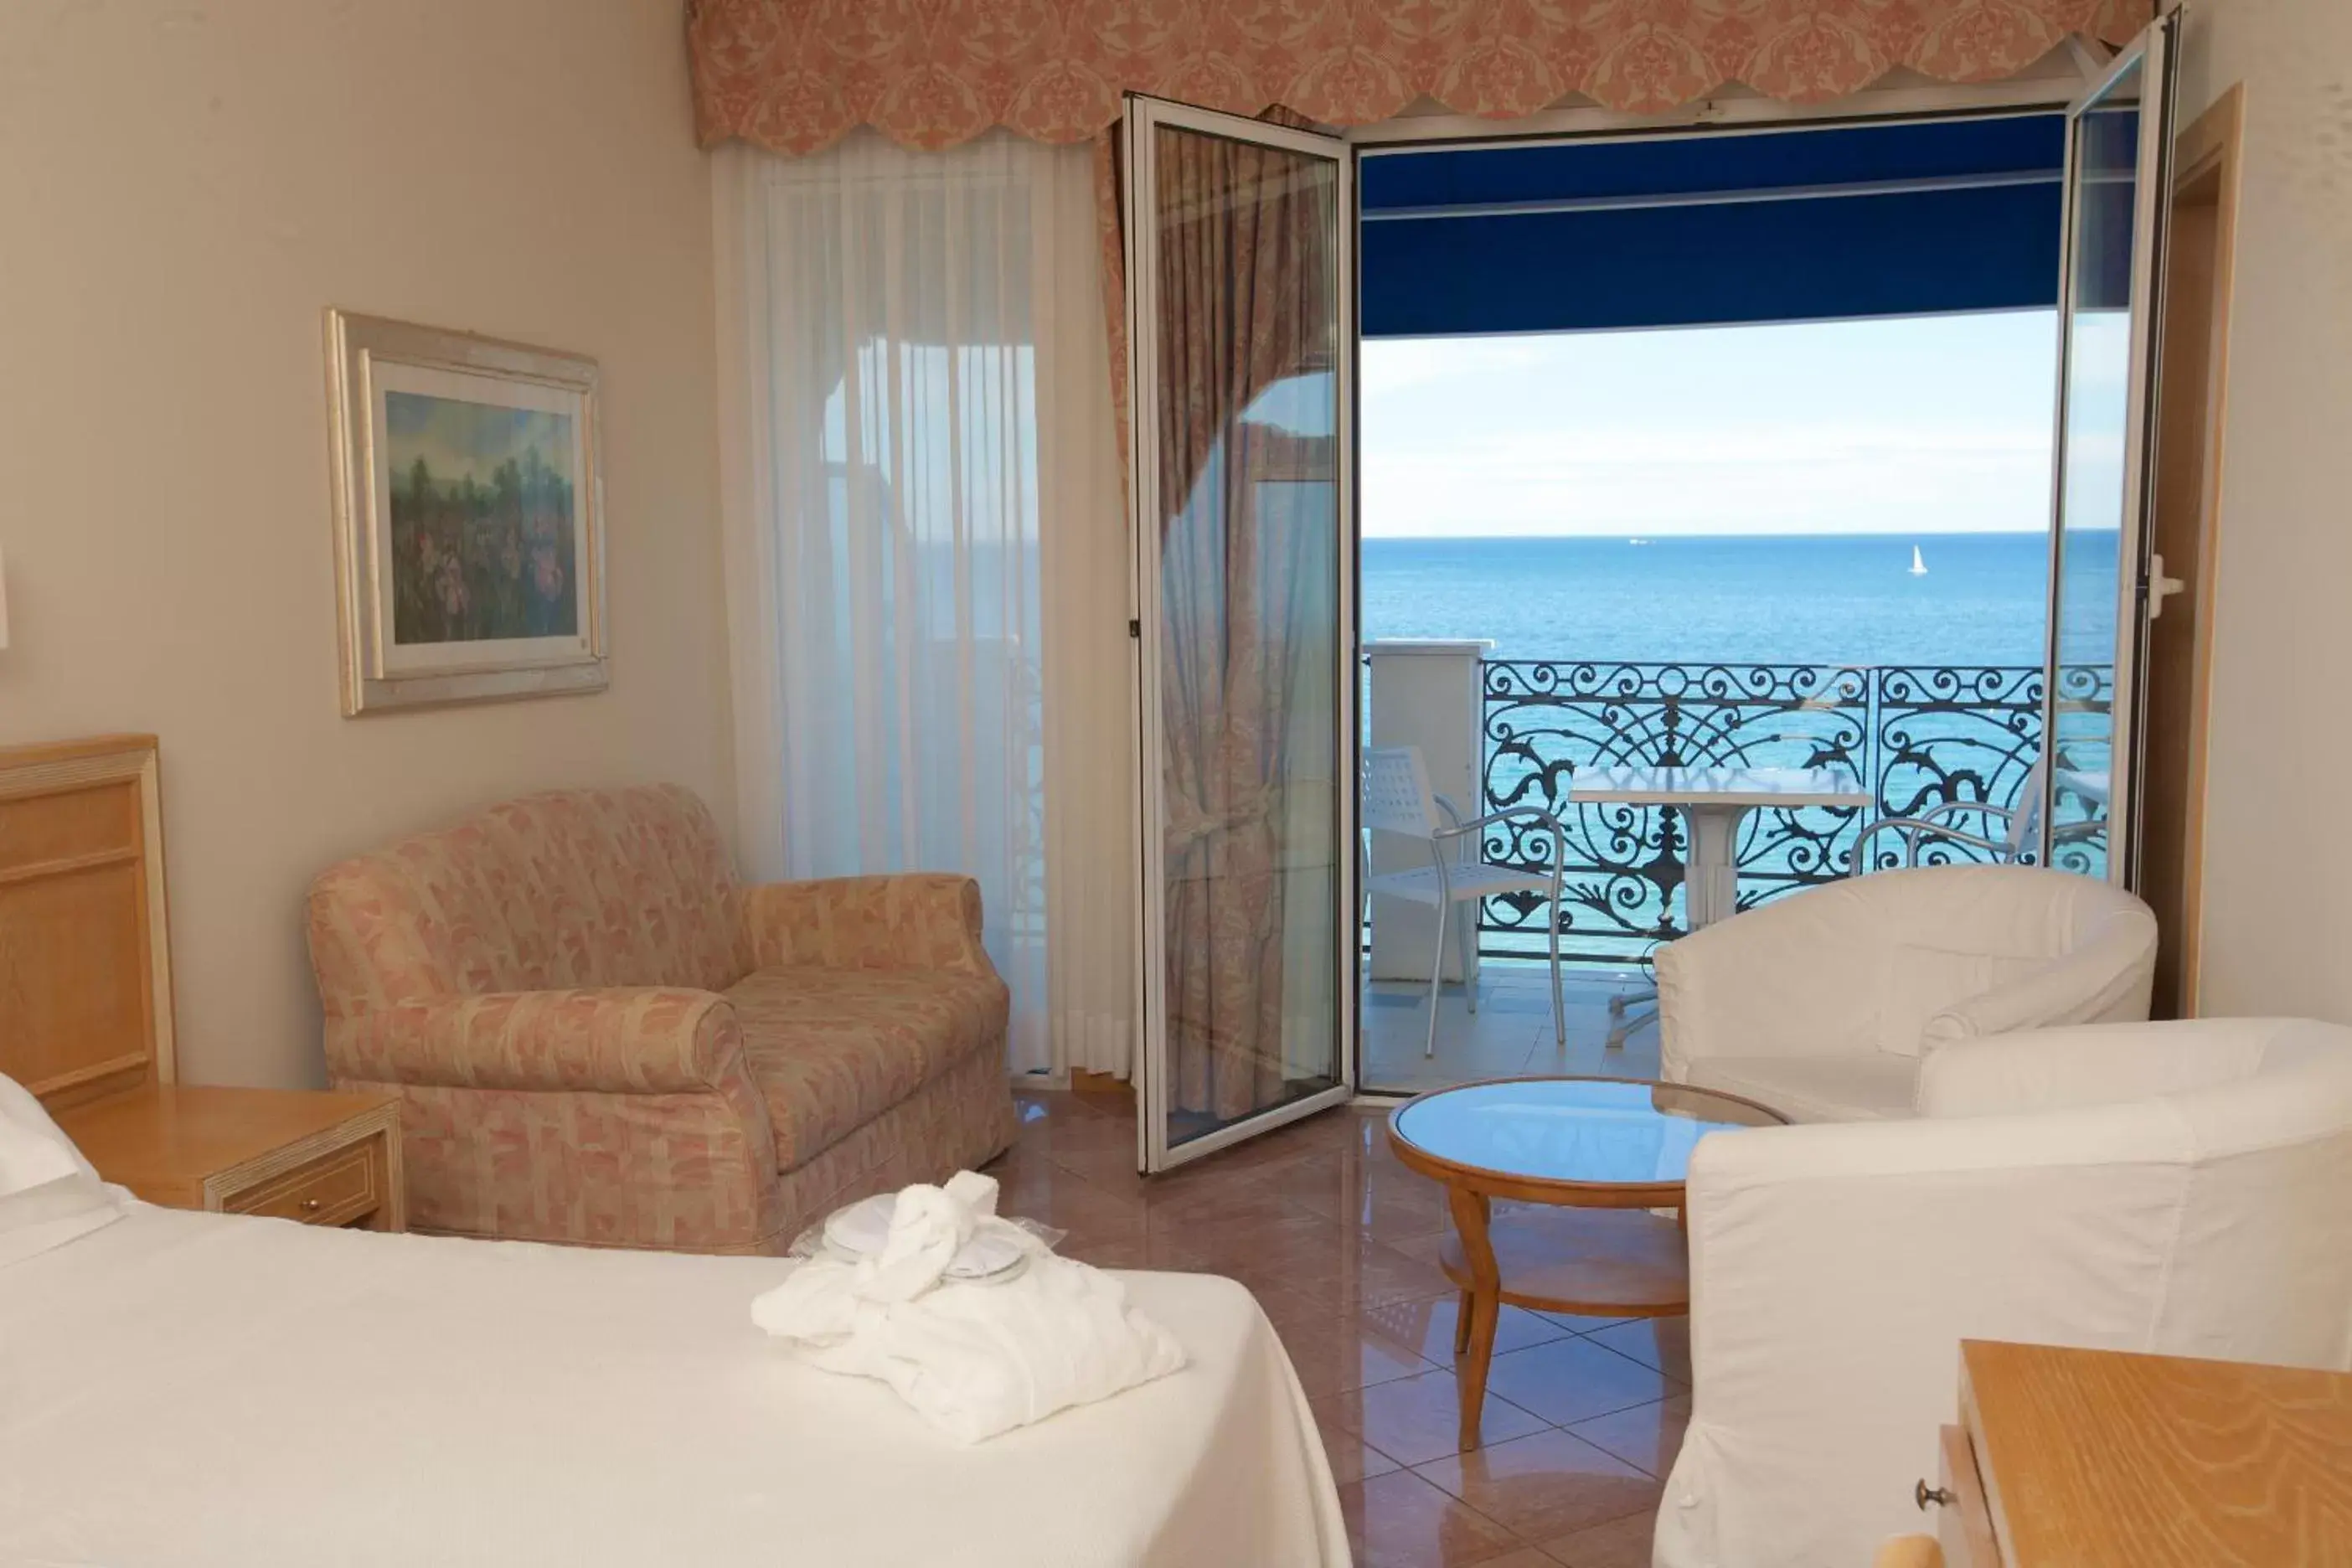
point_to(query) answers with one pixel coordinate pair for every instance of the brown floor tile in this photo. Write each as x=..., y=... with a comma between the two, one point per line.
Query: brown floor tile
x=1206, y=1206
x=1416, y=1419
x=1661, y=1343
x=1399, y=1521
x=1581, y=1325
x=1647, y=1436
x=1428, y=1326
x=1377, y=1196
x=1573, y=1380
x=1047, y=1193
x=1545, y=1485
x=1621, y=1544
x=1350, y=1272
x=1065, y=1132
x=1351, y=1458
x=1524, y=1557
x=1336, y=1351
x=1429, y=1249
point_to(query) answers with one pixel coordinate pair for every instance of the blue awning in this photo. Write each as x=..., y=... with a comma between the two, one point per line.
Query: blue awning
x=1715, y=228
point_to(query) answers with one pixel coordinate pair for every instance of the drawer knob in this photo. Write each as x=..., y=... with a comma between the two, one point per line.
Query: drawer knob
x=1922, y=1494
x=310, y=1205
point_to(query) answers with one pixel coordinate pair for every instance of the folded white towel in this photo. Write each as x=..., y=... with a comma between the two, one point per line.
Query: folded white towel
x=974, y=1357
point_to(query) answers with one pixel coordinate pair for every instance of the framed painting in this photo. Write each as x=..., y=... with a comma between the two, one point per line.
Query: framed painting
x=469, y=528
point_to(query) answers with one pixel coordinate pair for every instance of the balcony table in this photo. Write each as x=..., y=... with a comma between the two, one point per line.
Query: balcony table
x=1715, y=800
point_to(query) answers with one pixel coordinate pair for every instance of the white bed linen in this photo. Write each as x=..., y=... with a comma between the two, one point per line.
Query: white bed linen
x=191, y=1390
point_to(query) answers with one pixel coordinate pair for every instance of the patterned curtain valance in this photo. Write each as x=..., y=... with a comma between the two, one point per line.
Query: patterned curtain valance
x=795, y=75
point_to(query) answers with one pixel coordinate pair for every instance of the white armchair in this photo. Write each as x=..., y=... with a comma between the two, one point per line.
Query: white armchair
x=1822, y=1005
x=2175, y=1188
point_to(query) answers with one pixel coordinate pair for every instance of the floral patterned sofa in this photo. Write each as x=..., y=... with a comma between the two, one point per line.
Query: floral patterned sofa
x=599, y=1037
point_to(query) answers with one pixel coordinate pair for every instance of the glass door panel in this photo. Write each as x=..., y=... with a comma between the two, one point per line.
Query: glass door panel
x=2118, y=134
x=1239, y=317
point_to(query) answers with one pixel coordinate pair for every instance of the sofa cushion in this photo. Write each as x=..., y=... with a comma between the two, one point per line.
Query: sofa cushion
x=1854, y=1087
x=831, y=1049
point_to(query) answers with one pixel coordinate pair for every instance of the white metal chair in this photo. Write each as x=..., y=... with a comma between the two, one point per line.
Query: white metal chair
x=1397, y=799
x=2018, y=825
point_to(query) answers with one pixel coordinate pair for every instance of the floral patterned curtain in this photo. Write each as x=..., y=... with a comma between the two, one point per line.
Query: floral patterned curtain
x=795, y=75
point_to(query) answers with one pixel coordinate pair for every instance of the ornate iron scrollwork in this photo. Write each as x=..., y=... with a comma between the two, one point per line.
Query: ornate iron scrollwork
x=1918, y=735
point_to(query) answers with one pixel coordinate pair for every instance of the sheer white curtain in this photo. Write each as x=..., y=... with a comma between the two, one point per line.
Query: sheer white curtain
x=926, y=556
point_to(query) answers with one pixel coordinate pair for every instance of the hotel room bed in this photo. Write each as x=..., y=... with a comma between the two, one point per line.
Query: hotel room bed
x=189, y=1389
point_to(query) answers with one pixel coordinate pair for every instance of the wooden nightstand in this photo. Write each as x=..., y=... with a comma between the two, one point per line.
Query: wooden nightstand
x=322, y=1158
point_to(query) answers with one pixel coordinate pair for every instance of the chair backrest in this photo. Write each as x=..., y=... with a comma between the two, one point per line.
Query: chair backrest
x=1397, y=797
x=2255, y=1115
x=571, y=888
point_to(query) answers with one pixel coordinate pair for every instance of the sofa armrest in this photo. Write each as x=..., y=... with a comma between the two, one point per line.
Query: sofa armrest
x=916, y=921
x=2107, y=980
x=2098, y=1064
x=632, y=1040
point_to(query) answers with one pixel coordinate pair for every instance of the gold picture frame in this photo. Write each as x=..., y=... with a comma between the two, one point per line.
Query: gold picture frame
x=469, y=518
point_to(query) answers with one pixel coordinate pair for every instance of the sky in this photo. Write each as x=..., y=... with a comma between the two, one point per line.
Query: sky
x=1917, y=425
x=458, y=439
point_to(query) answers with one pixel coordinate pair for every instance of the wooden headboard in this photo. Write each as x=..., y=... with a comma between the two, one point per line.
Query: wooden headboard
x=85, y=951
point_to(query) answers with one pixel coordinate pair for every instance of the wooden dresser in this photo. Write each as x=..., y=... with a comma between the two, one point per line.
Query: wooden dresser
x=2104, y=1459
x=86, y=1011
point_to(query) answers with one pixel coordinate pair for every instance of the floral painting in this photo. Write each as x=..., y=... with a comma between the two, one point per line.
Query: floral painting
x=482, y=521
x=470, y=529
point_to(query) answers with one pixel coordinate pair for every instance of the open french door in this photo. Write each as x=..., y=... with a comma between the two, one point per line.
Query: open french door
x=1241, y=326
x=2104, y=584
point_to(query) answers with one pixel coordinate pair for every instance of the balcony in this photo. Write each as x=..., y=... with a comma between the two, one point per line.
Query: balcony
x=1916, y=736
x=1516, y=732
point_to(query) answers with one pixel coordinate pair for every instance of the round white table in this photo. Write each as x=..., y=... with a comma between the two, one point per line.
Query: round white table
x=1715, y=800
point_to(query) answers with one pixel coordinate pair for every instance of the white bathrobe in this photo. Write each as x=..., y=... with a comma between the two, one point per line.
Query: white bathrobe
x=974, y=1357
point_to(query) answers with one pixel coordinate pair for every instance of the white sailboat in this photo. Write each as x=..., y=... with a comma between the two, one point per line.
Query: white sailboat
x=1919, y=567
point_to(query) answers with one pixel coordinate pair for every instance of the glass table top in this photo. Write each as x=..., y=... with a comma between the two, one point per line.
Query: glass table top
x=1597, y=1131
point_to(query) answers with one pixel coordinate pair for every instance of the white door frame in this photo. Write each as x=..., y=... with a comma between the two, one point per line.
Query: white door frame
x=1143, y=116
x=2152, y=52
x=2056, y=85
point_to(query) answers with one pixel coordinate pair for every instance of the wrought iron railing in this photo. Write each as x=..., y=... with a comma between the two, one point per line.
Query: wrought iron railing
x=1916, y=736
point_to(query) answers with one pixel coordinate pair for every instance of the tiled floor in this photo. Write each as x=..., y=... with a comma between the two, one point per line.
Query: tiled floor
x=1340, y=1242
x=1510, y=1034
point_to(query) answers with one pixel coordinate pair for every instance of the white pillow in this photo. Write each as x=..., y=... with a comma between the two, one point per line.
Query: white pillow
x=33, y=1151
x=49, y=1192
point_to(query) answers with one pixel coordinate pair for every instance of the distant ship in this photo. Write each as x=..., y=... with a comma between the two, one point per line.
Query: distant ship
x=1919, y=567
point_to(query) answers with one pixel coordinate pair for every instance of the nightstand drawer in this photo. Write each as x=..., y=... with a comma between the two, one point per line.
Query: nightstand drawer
x=336, y=1188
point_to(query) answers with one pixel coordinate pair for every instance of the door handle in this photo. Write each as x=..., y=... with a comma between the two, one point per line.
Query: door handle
x=2159, y=586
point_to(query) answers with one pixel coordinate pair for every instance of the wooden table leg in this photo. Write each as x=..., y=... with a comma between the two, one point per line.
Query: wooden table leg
x=1485, y=1305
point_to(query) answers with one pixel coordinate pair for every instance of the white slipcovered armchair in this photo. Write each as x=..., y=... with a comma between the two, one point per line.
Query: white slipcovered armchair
x=2178, y=1188
x=1822, y=1005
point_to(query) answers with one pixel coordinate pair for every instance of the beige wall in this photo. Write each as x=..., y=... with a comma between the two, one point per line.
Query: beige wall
x=2278, y=911
x=183, y=189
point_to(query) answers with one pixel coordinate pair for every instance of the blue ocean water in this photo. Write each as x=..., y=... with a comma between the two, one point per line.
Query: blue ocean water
x=1830, y=599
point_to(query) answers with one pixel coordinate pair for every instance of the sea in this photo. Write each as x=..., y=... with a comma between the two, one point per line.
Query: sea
x=1827, y=599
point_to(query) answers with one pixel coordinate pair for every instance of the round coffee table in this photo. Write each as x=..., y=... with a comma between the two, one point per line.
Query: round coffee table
x=1586, y=1146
